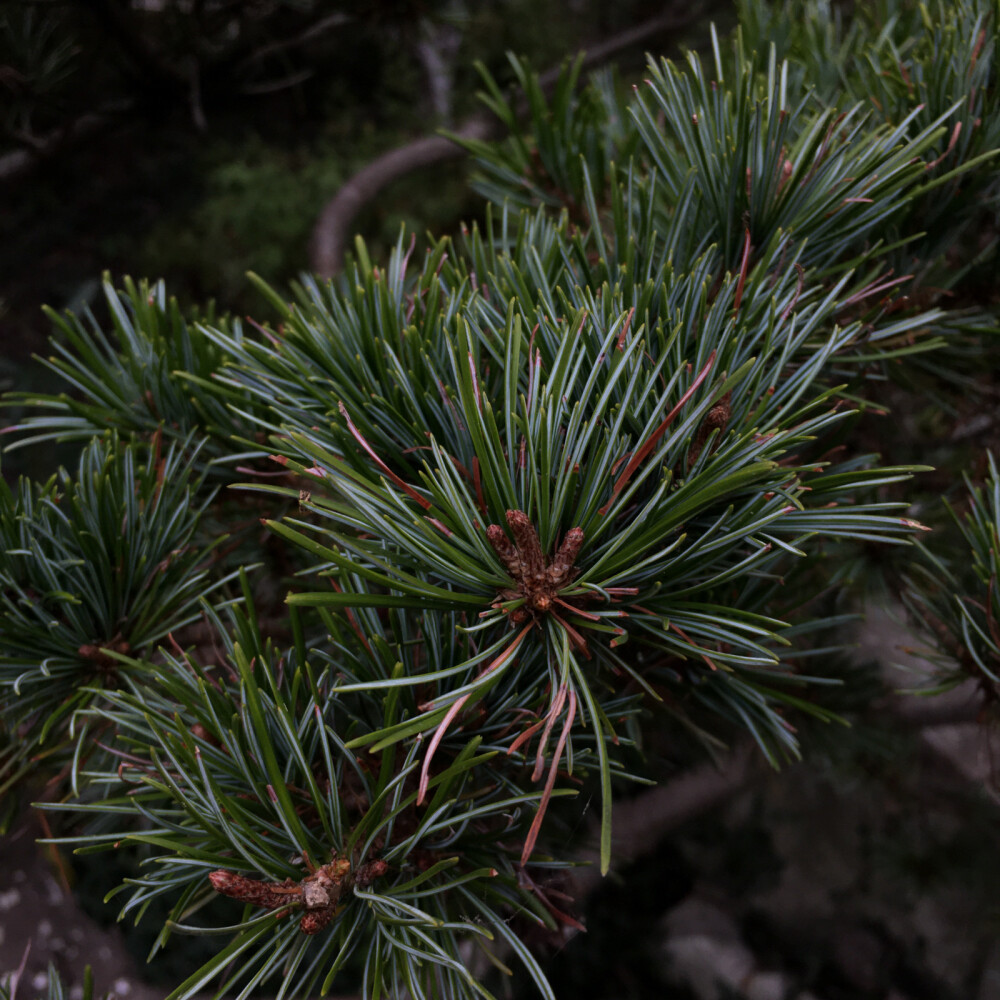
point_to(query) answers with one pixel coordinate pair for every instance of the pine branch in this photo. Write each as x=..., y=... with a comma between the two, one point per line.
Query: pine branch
x=586, y=473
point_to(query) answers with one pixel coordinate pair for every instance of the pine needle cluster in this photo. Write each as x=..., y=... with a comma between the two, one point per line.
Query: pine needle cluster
x=348, y=612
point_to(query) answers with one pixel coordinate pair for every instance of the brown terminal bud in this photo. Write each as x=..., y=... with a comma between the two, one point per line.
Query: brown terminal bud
x=716, y=419
x=505, y=549
x=315, y=920
x=565, y=557
x=269, y=895
x=528, y=546
x=368, y=872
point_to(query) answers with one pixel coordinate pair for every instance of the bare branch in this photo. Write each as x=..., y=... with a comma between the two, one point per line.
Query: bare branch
x=314, y=31
x=332, y=230
x=640, y=823
x=333, y=227
x=21, y=161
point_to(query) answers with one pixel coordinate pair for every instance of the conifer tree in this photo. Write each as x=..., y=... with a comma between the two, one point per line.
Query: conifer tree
x=347, y=610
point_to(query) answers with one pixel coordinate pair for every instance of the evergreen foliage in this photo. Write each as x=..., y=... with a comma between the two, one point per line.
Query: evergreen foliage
x=107, y=562
x=954, y=596
x=149, y=376
x=584, y=472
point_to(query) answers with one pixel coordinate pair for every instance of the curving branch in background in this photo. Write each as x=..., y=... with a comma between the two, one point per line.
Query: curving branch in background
x=642, y=822
x=333, y=229
x=19, y=162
